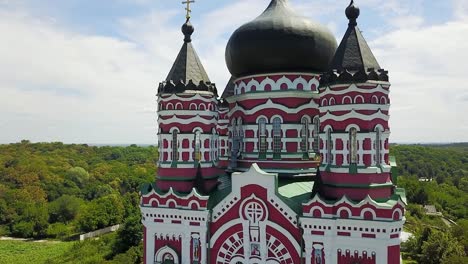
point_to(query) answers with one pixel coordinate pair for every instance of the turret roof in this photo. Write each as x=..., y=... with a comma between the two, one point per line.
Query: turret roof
x=353, y=53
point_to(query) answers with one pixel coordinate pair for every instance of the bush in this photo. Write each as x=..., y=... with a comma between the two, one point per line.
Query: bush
x=58, y=230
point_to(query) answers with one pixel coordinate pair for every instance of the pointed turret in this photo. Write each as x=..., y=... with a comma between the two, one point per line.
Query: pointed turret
x=187, y=72
x=353, y=53
x=187, y=120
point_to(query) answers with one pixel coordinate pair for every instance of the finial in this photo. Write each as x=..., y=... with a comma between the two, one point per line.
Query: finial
x=188, y=2
x=352, y=12
x=187, y=27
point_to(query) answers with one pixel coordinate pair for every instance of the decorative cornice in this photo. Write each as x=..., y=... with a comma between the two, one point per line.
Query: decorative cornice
x=169, y=87
x=347, y=76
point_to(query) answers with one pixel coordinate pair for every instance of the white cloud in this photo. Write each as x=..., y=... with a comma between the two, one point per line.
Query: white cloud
x=57, y=84
x=427, y=69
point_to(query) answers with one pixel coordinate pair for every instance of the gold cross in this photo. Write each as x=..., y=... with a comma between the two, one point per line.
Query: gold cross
x=188, y=2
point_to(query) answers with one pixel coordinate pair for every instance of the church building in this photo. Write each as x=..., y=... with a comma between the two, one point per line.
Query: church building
x=289, y=165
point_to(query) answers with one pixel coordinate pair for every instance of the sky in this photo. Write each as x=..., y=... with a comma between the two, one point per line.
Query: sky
x=87, y=71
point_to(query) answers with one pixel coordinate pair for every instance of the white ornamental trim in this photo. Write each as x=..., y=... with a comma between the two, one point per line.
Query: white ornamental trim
x=187, y=112
x=354, y=114
x=194, y=119
x=357, y=107
x=194, y=96
x=354, y=88
x=270, y=104
x=275, y=86
x=344, y=199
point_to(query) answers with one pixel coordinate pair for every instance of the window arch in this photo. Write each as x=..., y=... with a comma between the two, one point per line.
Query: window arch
x=170, y=106
x=305, y=134
x=277, y=145
x=201, y=107
x=353, y=145
x=383, y=100
x=331, y=101
x=324, y=102
x=197, y=145
x=178, y=106
x=359, y=99
x=347, y=100
x=166, y=255
x=262, y=137
x=193, y=106
x=316, y=134
x=375, y=99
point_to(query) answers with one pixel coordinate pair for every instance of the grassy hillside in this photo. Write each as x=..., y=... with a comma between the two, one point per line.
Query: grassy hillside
x=17, y=252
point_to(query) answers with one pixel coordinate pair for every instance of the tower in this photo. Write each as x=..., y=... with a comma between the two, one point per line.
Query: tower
x=357, y=213
x=187, y=119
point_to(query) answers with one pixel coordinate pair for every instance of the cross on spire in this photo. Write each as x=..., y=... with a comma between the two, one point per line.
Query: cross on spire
x=188, y=2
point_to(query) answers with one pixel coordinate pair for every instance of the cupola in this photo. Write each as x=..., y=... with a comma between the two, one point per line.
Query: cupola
x=280, y=40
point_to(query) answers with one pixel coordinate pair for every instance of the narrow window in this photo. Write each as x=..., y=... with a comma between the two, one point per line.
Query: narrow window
x=316, y=134
x=305, y=134
x=240, y=135
x=277, y=138
x=175, y=150
x=197, y=151
x=378, y=147
x=353, y=145
x=329, y=147
x=262, y=142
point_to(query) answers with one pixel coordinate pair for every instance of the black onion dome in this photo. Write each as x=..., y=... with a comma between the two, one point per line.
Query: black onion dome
x=279, y=40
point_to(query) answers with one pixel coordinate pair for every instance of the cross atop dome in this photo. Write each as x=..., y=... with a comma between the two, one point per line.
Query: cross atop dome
x=188, y=2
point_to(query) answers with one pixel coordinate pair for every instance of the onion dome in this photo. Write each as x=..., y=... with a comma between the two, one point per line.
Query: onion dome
x=187, y=72
x=279, y=40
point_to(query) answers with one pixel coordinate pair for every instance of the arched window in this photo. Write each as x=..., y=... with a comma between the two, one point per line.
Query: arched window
x=375, y=99
x=305, y=134
x=359, y=99
x=175, y=150
x=329, y=146
x=316, y=134
x=383, y=100
x=378, y=146
x=324, y=102
x=332, y=101
x=353, y=145
x=197, y=150
x=277, y=145
x=262, y=138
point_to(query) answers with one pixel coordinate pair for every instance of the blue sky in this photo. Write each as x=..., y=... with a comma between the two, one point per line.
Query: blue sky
x=86, y=71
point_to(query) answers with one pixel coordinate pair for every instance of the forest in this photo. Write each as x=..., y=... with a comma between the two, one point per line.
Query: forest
x=56, y=191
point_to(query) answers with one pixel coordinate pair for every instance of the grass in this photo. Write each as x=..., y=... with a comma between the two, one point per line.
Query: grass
x=12, y=252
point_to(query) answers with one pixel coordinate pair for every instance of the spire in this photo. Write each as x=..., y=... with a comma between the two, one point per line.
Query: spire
x=187, y=72
x=353, y=53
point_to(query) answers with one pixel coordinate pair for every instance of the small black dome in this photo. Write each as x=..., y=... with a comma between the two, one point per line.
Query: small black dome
x=279, y=40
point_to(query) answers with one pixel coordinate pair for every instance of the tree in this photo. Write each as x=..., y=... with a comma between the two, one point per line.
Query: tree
x=78, y=175
x=64, y=209
x=440, y=247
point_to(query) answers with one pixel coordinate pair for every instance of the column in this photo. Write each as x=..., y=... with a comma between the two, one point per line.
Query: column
x=150, y=237
x=185, y=246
